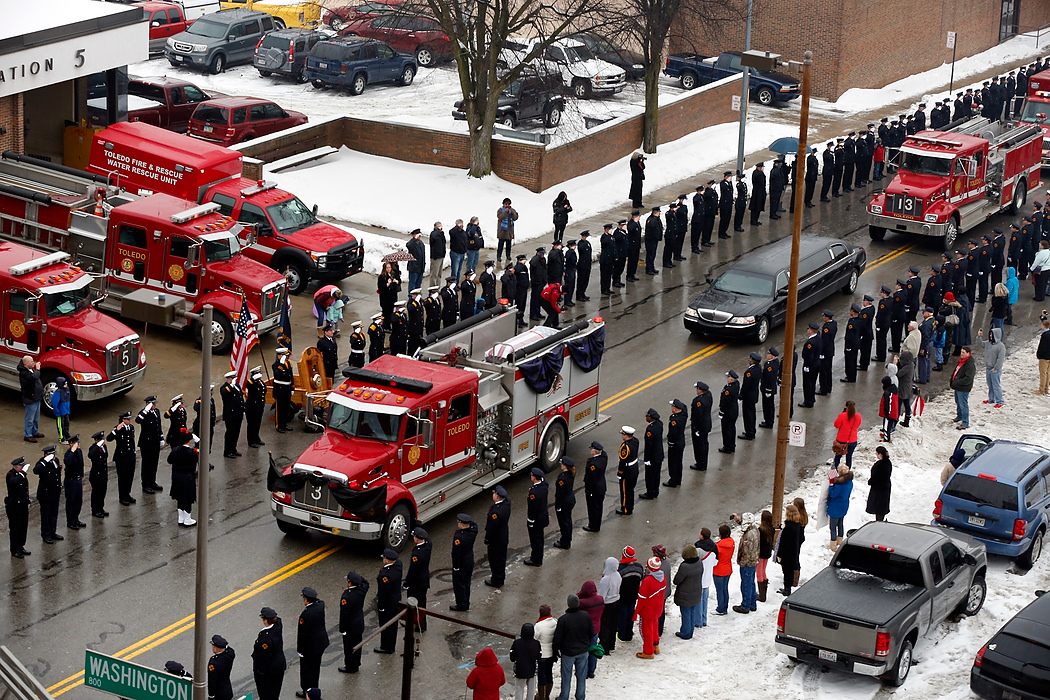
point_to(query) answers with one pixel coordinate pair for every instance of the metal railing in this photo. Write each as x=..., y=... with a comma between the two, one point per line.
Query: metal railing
x=16, y=682
x=1032, y=31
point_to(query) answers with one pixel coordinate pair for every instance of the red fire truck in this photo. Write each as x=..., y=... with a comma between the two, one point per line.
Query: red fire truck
x=407, y=439
x=291, y=239
x=950, y=181
x=131, y=243
x=1036, y=110
x=47, y=312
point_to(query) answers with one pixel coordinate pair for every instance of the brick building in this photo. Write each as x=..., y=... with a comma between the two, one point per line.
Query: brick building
x=859, y=43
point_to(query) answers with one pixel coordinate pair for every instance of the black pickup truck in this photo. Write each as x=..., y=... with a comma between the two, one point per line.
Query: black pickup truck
x=535, y=95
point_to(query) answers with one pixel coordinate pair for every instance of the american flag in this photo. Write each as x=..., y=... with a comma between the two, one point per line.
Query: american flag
x=244, y=339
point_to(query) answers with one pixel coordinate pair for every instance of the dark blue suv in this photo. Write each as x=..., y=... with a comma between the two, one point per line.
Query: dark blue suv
x=1000, y=495
x=354, y=62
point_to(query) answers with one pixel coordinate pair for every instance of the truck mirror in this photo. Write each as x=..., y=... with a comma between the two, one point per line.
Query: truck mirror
x=32, y=309
x=263, y=229
x=193, y=255
x=970, y=560
x=251, y=239
x=315, y=210
x=154, y=24
x=426, y=429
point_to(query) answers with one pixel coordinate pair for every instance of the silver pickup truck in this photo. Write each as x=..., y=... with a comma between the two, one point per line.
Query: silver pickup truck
x=887, y=585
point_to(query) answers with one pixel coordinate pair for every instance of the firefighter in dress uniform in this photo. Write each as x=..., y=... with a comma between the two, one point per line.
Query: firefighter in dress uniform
x=233, y=411
x=750, y=390
x=123, y=434
x=352, y=620
x=595, y=486
x=627, y=470
x=463, y=561
x=676, y=427
x=536, y=516
x=769, y=385
x=151, y=439
x=565, y=501
x=16, y=505
x=98, y=477
x=728, y=410
x=417, y=578
x=376, y=338
x=176, y=416
x=432, y=307
x=282, y=389
x=810, y=365
x=497, y=537
x=652, y=454
x=358, y=345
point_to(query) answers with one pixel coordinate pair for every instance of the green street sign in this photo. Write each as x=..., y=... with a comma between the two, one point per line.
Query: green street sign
x=127, y=680
x=246, y=697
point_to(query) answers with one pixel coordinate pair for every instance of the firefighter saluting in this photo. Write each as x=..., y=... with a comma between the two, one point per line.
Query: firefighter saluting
x=358, y=343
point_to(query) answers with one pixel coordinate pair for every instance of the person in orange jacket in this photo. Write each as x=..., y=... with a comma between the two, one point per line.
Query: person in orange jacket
x=650, y=607
x=487, y=677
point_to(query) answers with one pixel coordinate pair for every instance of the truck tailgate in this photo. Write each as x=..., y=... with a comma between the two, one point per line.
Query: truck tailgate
x=829, y=632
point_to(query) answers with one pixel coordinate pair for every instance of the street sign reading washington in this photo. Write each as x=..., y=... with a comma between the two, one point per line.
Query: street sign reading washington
x=127, y=680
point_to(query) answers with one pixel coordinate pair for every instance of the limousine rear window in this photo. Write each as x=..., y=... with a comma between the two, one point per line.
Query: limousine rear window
x=747, y=283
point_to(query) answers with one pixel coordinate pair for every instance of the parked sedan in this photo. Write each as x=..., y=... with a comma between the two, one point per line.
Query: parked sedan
x=1015, y=663
x=420, y=36
x=230, y=120
x=337, y=17
x=750, y=298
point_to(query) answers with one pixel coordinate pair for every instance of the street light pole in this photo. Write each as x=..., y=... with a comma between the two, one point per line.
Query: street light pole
x=792, y=302
x=743, y=94
x=201, y=643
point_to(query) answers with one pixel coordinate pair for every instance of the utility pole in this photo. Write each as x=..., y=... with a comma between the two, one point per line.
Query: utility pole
x=784, y=414
x=743, y=94
x=201, y=643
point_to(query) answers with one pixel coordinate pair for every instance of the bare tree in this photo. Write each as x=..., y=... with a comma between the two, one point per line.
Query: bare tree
x=479, y=30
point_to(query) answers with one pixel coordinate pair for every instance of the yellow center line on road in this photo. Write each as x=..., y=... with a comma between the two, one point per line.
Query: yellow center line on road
x=185, y=624
x=712, y=349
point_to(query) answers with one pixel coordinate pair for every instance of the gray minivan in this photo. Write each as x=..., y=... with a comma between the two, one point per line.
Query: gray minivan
x=218, y=40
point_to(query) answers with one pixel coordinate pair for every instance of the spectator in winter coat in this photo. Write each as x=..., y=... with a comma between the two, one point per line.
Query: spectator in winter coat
x=994, y=358
x=708, y=551
x=457, y=248
x=889, y=408
x=912, y=341
x=631, y=573
x=723, y=569
x=954, y=462
x=962, y=384
x=593, y=604
x=838, y=504
x=1042, y=354
x=32, y=393
x=660, y=552
x=1013, y=292
x=747, y=562
x=505, y=218
x=475, y=242
x=650, y=607
x=487, y=677
x=609, y=590
x=438, y=247
x=60, y=407
x=525, y=655
x=544, y=629
x=879, y=483
x=848, y=425
x=572, y=639
x=905, y=383
x=766, y=538
x=1000, y=305
x=688, y=588
x=789, y=546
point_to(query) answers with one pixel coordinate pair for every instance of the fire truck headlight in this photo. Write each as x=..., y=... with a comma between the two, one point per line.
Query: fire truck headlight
x=932, y=218
x=86, y=377
x=876, y=208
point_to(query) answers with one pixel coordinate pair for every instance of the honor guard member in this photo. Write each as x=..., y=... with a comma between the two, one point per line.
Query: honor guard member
x=827, y=171
x=840, y=164
x=811, y=353
x=388, y=595
x=16, y=505
x=352, y=617
x=634, y=249
x=984, y=268
x=654, y=233
x=931, y=294
x=973, y=256
x=947, y=269
x=376, y=338
x=920, y=117
x=233, y=409
x=572, y=262
x=311, y=641
x=627, y=470
x=595, y=486
x=585, y=253
x=329, y=353
x=758, y=193
x=620, y=248
x=749, y=393
x=220, y=666
x=521, y=276
x=867, y=332
x=849, y=161
x=176, y=416
x=536, y=517
x=607, y=259
x=739, y=204
x=255, y=405
x=728, y=410
x=49, y=493
x=696, y=224
x=432, y=307
x=537, y=280
x=268, y=662
x=497, y=537
x=883, y=314
x=913, y=294
x=211, y=416
x=184, y=461
x=812, y=164
x=670, y=235
x=851, y=344
x=417, y=578
x=996, y=257
x=358, y=345
x=463, y=561
x=399, y=329
x=416, y=324
x=565, y=501
x=653, y=454
x=282, y=388
x=676, y=427
x=725, y=206
x=898, y=315
x=73, y=460
x=828, y=331
x=449, y=303
x=509, y=284
x=123, y=434
x=556, y=263
x=959, y=273
x=712, y=201
x=98, y=477
x=700, y=425
x=468, y=295
x=769, y=384
x=151, y=439
x=487, y=279
x=682, y=224
x=1013, y=248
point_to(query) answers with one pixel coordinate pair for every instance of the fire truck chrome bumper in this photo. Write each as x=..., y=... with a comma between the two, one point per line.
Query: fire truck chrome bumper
x=268, y=324
x=351, y=529
x=892, y=223
x=93, y=392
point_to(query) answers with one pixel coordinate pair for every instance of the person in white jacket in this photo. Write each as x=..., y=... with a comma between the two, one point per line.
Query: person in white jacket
x=544, y=630
x=706, y=548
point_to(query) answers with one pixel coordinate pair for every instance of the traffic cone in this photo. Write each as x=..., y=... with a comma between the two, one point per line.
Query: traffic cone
x=98, y=203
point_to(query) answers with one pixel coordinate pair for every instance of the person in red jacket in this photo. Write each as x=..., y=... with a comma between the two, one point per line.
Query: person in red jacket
x=549, y=298
x=649, y=608
x=487, y=677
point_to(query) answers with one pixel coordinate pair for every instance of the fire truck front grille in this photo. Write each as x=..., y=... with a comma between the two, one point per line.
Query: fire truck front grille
x=271, y=301
x=122, y=358
x=339, y=257
x=317, y=497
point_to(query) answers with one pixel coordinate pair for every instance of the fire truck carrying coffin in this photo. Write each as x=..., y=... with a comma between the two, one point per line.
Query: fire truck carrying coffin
x=950, y=181
x=408, y=439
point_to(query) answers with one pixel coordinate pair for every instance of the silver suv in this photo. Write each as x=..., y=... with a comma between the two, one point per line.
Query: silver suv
x=219, y=39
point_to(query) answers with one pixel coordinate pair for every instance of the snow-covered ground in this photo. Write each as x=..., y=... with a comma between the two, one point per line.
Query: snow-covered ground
x=734, y=656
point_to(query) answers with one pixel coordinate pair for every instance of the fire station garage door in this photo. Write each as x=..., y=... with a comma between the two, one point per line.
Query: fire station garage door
x=47, y=110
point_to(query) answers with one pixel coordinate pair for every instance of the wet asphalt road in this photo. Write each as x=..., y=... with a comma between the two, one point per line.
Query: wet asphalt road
x=125, y=584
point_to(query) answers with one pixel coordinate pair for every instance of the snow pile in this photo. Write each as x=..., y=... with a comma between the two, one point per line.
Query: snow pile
x=943, y=658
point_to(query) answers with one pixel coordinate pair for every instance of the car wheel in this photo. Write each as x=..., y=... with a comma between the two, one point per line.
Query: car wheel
x=265, y=73
x=397, y=527
x=975, y=597
x=297, y=276
x=358, y=84
x=765, y=96
x=553, y=447
x=278, y=24
x=218, y=64
x=1020, y=195
x=899, y=674
x=552, y=117
x=289, y=529
x=407, y=76
x=317, y=84
x=951, y=233
x=581, y=89
x=424, y=56
x=299, y=77
x=688, y=80
x=851, y=283
x=876, y=233
x=762, y=331
x=336, y=23
x=506, y=120
x=1028, y=559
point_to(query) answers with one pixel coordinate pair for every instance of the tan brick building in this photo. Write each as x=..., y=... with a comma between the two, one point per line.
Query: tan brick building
x=860, y=43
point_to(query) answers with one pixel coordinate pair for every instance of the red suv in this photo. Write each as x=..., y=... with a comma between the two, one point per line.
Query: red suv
x=230, y=120
x=420, y=36
x=337, y=17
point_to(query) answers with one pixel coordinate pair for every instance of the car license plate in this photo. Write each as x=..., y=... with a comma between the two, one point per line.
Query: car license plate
x=322, y=65
x=827, y=655
x=1007, y=695
x=180, y=58
x=974, y=520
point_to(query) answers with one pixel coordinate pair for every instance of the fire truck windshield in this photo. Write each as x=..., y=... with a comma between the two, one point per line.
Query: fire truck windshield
x=1035, y=112
x=364, y=424
x=290, y=216
x=220, y=246
x=68, y=301
x=926, y=165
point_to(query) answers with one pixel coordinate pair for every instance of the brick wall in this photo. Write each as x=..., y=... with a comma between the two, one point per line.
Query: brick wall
x=11, y=120
x=1034, y=14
